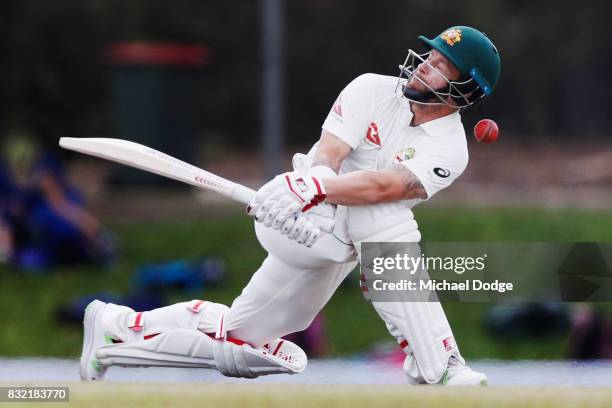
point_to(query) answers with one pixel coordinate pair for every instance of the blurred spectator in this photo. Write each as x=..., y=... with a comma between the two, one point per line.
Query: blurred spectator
x=591, y=335
x=529, y=319
x=44, y=220
x=6, y=237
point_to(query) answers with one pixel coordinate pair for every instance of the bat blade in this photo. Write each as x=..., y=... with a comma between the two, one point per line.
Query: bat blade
x=145, y=158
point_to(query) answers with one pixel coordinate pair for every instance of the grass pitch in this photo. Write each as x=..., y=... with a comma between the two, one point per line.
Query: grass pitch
x=244, y=396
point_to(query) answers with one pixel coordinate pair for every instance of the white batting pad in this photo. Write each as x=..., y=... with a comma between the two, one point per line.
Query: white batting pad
x=425, y=328
x=194, y=349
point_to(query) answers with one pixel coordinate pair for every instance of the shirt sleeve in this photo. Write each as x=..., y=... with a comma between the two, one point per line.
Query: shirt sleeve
x=437, y=167
x=351, y=114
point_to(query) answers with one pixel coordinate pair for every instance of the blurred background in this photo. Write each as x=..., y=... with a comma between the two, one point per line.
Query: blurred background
x=236, y=88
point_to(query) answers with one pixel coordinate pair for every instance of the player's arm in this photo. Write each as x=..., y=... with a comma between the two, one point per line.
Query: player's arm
x=372, y=187
x=331, y=151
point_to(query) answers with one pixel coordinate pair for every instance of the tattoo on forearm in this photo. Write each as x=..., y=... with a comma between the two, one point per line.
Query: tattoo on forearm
x=413, y=187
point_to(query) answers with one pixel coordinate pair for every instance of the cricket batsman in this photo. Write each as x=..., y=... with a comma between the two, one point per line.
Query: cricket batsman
x=387, y=144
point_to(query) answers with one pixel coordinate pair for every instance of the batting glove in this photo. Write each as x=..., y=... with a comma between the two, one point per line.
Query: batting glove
x=307, y=228
x=288, y=194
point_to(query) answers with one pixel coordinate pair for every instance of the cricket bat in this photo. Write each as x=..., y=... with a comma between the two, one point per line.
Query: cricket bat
x=145, y=158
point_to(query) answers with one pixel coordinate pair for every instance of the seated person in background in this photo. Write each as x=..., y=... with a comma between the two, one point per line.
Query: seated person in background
x=48, y=223
x=6, y=235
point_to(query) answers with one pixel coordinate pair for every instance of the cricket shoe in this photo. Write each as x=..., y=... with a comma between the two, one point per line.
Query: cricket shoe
x=93, y=338
x=459, y=374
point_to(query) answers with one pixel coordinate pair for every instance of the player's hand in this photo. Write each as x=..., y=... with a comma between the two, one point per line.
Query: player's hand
x=280, y=216
x=324, y=216
x=290, y=192
x=307, y=190
x=307, y=228
x=265, y=199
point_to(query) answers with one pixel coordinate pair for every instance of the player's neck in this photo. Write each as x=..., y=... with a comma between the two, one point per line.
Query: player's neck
x=426, y=113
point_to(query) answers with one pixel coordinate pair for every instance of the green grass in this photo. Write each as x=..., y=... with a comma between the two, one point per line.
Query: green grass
x=28, y=302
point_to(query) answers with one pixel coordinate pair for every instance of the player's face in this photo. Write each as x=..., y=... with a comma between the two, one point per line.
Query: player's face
x=426, y=72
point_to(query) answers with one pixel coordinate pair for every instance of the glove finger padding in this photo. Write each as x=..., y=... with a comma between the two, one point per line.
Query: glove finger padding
x=280, y=211
x=297, y=228
x=266, y=191
x=287, y=225
x=323, y=216
x=287, y=208
x=314, y=236
x=305, y=234
x=271, y=216
x=264, y=208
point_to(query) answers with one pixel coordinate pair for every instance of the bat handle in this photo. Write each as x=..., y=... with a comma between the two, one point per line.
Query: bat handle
x=242, y=194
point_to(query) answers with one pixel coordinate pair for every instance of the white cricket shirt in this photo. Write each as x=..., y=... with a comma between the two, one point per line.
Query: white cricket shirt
x=375, y=121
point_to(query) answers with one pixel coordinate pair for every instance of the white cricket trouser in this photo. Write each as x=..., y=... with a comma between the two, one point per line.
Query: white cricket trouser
x=283, y=296
x=281, y=299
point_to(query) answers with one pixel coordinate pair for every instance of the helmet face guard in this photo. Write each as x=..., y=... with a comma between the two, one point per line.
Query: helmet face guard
x=456, y=94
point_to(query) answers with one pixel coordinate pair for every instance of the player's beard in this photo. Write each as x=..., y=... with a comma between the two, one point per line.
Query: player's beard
x=418, y=92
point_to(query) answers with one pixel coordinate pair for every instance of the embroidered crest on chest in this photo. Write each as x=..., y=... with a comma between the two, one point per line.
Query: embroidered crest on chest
x=404, y=154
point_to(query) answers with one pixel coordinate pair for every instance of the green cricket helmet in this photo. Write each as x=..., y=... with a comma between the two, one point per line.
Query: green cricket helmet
x=472, y=53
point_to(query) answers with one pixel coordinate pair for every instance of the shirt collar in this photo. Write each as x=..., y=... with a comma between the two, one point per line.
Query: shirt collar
x=442, y=125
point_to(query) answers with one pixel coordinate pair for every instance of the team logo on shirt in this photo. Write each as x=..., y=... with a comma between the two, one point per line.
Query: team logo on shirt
x=372, y=137
x=404, y=155
x=452, y=36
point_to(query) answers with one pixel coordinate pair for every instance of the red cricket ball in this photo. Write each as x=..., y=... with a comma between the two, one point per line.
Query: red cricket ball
x=486, y=131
